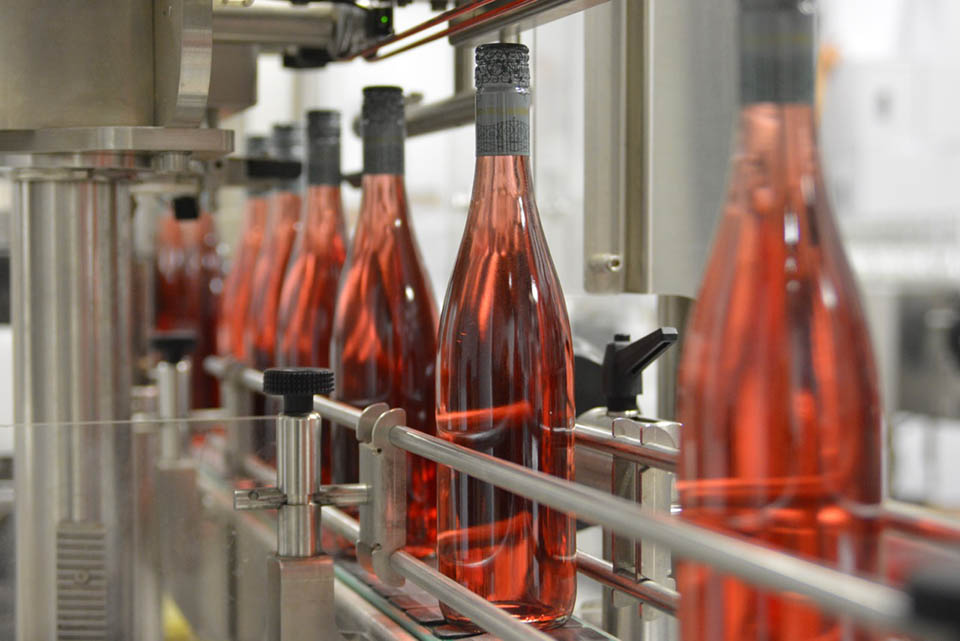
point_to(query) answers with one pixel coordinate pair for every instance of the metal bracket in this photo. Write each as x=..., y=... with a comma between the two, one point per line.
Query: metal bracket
x=259, y=498
x=272, y=498
x=383, y=467
x=653, y=488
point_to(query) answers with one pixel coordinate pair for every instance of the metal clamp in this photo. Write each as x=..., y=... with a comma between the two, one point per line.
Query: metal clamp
x=636, y=561
x=272, y=498
x=383, y=467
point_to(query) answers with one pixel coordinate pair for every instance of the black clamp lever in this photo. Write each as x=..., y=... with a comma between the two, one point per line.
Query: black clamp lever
x=624, y=362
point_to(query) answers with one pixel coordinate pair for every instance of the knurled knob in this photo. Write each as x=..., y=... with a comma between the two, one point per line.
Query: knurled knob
x=297, y=386
x=174, y=345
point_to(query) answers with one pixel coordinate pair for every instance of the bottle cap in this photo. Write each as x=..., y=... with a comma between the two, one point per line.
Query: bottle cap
x=383, y=130
x=502, y=63
x=777, y=51
x=285, y=142
x=382, y=104
x=297, y=385
x=323, y=147
x=323, y=123
x=258, y=146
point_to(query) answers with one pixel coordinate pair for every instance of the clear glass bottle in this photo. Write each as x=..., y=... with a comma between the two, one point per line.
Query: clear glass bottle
x=384, y=336
x=777, y=392
x=505, y=370
x=238, y=285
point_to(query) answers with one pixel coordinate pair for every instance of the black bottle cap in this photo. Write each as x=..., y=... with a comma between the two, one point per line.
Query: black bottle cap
x=502, y=63
x=297, y=386
x=186, y=208
x=323, y=147
x=258, y=146
x=174, y=345
x=382, y=103
x=383, y=130
x=285, y=142
x=777, y=51
x=624, y=362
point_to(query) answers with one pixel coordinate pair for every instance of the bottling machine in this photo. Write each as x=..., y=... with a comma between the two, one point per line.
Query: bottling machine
x=130, y=507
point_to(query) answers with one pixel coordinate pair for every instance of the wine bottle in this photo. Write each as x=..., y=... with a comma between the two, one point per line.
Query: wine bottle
x=384, y=335
x=777, y=390
x=505, y=370
x=305, y=318
x=170, y=277
x=204, y=280
x=237, y=287
x=283, y=218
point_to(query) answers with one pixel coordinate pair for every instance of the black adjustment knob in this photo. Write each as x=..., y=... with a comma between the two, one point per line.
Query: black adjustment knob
x=297, y=385
x=624, y=362
x=174, y=345
x=935, y=594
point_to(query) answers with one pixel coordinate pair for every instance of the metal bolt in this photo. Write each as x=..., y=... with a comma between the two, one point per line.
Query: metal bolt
x=81, y=577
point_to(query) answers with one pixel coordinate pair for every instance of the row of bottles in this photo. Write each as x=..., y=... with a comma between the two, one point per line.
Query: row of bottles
x=188, y=284
x=777, y=392
x=504, y=353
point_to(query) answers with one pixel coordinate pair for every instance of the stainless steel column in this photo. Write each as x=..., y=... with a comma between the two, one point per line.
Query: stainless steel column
x=70, y=286
x=672, y=311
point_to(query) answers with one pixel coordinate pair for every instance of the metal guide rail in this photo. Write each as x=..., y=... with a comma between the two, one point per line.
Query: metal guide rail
x=867, y=602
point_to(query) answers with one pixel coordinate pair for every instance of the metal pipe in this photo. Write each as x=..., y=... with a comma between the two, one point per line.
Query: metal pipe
x=659, y=456
x=452, y=112
x=71, y=258
x=346, y=494
x=834, y=591
x=298, y=520
x=173, y=397
x=274, y=28
x=659, y=596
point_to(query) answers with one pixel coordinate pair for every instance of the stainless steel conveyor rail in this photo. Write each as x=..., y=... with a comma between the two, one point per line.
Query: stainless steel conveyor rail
x=868, y=602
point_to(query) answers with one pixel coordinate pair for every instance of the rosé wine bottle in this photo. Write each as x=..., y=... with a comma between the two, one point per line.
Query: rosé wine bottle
x=260, y=331
x=384, y=333
x=505, y=370
x=238, y=285
x=777, y=391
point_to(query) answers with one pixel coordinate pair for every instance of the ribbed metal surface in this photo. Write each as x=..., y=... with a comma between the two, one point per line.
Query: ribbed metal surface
x=81, y=582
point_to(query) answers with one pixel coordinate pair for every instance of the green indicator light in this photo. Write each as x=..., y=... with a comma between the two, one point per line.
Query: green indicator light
x=384, y=19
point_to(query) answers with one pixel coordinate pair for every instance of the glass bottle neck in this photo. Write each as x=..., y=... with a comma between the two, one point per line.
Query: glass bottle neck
x=503, y=121
x=384, y=200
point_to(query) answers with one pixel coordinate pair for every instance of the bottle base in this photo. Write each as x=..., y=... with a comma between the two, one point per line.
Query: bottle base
x=537, y=616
